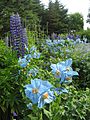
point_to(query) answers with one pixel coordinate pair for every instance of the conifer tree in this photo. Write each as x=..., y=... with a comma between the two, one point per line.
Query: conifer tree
x=57, y=17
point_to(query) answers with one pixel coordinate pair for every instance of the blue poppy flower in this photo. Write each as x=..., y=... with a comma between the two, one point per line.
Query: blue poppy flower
x=67, y=76
x=36, y=88
x=67, y=64
x=57, y=69
x=32, y=72
x=60, y=90
x=22, y=62
x=36, y=54
x=28, y=57
x=46, y=98
x=32, y=49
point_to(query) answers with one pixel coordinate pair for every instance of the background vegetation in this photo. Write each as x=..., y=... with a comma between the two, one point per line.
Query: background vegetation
x=41, y=22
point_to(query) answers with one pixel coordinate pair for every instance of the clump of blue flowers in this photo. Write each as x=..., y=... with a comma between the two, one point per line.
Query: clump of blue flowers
x=41, y=92
x=31, y=54
x=63, y=71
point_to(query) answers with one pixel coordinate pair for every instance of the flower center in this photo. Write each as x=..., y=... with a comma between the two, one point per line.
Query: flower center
x=58, y=72
x=67, y=69
x=68, y=78
x=28, y=64
x=35, y=90
x=45, y=95
x=30, y=74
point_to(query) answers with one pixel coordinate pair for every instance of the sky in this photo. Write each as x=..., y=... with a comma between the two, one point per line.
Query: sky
x=73, y=6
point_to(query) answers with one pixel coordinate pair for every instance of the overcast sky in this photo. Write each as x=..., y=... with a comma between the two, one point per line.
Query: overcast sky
x=73, y=6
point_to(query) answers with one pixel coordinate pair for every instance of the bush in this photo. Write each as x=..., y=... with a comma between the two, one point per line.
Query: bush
x=85, y=33
x=10, y=84
x=72, y=106
x=81, y=58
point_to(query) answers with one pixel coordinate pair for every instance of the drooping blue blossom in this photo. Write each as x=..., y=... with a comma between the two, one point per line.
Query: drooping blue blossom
x=46, y=98
x=57, y=69
x=67, y=63
x=32, y=72
x=60, y=90
x=33, y=49
x=36, y=55
x=63, y=71
x=67, y=76
x=37, y=87
x=28, y=57
x=22, y=62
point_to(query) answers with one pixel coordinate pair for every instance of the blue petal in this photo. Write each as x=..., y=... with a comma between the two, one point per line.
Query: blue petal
x=31, y=96
x=64, y=90
x=68, y=62
x=22, y=62
x=67, y=81
x=34, y=98
x=53, y=67
x=62, y=78
x=28, y=86
x=62, y=63
x=62, y=68
x=71, y=73
x=47, y=84
x=36, y=83
x=42, y=101
x=28, y=93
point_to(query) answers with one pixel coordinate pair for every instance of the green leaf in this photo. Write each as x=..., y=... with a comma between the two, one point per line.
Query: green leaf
x=47, y=113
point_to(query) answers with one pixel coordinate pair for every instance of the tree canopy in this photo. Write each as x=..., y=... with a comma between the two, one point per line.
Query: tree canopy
x=55, y=18
x=75, y=22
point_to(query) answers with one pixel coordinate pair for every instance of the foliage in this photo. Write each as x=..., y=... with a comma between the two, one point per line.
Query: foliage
x=81, y=58
x=85, y=33
x=88, y=17
x=75, y=22
x=72, y=106
x=24, y=8
x=51, y=19
x=57, y=18
x=12, y=76
x=10, y=84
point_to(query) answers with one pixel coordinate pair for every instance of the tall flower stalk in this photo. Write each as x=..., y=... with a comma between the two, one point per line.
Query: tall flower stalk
x=18, y=35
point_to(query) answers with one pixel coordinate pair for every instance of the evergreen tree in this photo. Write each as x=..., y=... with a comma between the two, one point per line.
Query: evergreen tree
x=57, y=17
x=88, y=17
x=23, y=7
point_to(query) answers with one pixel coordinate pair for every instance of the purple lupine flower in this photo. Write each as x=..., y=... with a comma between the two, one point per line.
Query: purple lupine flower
x=18, y=35
x=15, y=114
x=70, y=36
x=77, y=36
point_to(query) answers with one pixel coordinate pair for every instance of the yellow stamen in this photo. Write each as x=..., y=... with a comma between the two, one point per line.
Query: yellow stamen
x=35, y=90
x=68, y=78
x=45, y=95
x=58, y=72
x=67, y=69
x=30, y=75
